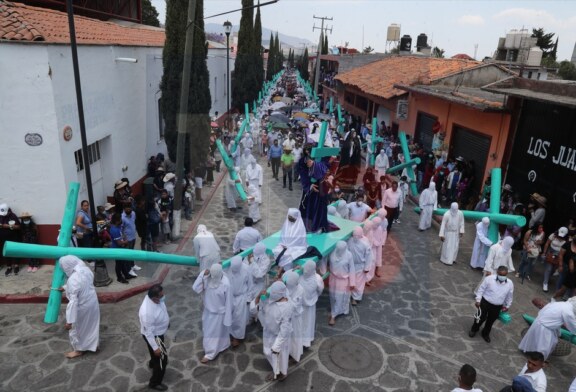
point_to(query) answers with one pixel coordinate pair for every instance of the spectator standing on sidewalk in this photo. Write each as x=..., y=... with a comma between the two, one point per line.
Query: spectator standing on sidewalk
x=29, y=236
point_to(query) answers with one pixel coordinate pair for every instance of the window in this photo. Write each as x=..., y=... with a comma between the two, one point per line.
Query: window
x=161, y=123
x=93, y=152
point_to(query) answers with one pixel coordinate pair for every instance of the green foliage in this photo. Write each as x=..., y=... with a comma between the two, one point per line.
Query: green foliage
x=438, y=53
x=303, y=64
x=270, y=62
x=545, y=42
x=258, y=50
x=567, y=70
x=149, y=14
x=368, y=50
x=325, y=45
x=245, y=85
x=199, y=101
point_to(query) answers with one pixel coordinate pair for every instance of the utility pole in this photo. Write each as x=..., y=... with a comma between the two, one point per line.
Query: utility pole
x=321, y=42
x=182, y=118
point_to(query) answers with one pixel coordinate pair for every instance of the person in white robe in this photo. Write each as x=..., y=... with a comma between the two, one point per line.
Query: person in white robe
x=498, y=255
x=259, y=264
x=82, y=310
x=362, y=257
x=293, y=241
x=378, y=239
x=369, y=235
x=247, y=237
x=342, y=208
x=428, y=202
x=235, y=156
x=296, y=296
x=542, y=336
x=230, y=192
x=254, y=202
x=342, y=281
x=313, y=286
x=217, y=314
x=451, y=230
x=245, y=159
x=481, y=244
x=333, y=211
x=381, y=163
x=206, y=249
x=275, y=314
x=154, y=322
x=254, y=174
x=240, y=281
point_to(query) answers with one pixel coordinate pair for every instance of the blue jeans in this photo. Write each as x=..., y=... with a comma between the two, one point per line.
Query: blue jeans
x=526, y=264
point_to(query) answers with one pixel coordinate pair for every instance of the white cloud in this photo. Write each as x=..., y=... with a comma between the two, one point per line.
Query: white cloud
x=470, y=20
x=525, y=15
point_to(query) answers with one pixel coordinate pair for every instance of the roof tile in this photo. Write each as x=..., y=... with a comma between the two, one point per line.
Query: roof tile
x=378, y=78
x=23, y=22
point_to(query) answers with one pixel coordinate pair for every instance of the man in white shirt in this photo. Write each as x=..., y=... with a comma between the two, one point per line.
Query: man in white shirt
x=154, y=322
x=466, y=380
x=391, y=203
x=533, y=371
x=290, y=143
x=247, y=237
x=494, y=295
x=359, y=210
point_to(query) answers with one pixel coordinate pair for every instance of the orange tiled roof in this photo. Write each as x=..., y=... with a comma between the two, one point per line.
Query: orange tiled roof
x=22, y=22
x=378, y=78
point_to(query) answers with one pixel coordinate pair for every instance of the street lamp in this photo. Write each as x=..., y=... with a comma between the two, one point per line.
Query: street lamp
x=227, y=31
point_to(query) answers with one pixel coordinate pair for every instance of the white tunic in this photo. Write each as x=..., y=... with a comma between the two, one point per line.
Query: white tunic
x=154, y=320
x=451, y=228
x=537, y=379
x=259, y=267
x=362, y=257
x=276, y=319
x=496, y=258
x=481, y=245
x=296, y=296
x=217, y=315
x=379, y=237
x=82, y=311
x=254, y=175
x=313, y=286
x=246, y=238
x=240, y=283
x=428, y=202
x=342, y=277
x=254, y=203
x=230, y=193
x=206, y=249
x=543, y=333
x=381, y=164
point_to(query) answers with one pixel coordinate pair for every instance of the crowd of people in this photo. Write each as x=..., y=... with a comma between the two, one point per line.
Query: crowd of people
x=17, y=228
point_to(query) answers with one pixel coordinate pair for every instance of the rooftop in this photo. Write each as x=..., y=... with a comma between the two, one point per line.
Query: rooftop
x=554, y=92
x=347, y=62
x=378, y=78
x=24, y=23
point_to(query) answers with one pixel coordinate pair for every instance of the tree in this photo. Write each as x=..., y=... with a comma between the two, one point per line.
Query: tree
x=325, y=46
x=545, y=42
x=149, y=14
x=278, y=56
x=438, y=53
x=567, y=70
x=303, y=65
x=258, y=50
x=368, y=50
x=270, y=62
x=245, y=82
x=199, y=101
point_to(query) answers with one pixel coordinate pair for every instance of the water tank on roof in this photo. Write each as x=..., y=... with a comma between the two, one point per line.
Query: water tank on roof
x=406, y=43
x=421, y=41
x=534, y=57
x=521, y=37
x=510, y=38
x=393, y=33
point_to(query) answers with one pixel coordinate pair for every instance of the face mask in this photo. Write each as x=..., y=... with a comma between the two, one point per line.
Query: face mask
x=501, y=278
x=336, y=190
x=27, y=221
x=358, y=203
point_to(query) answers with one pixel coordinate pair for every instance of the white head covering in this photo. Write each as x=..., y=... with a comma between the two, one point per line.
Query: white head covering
x=252, y=161
x=291, y=279
x=216, y=274
x=247, y=152
x=237, y=169
x=69, y=263
x=309, y=268
x=357, y=233
x=277, y=291
x=332, y=210
x=382, y=152
x=293, y=234
x=4, y=209
x=382, y=213
x=342, y=208
x=432, y=186
x=572, y=301
x=507, y=243
x=201, y=229
x=486, y=221
x=454, y=208
x=339, y=252
x=235, y=264
x=376, y=221
x=368, y=226
x=259, y=249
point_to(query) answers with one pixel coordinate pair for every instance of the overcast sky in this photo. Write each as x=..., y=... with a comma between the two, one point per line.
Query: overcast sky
x=455, y=26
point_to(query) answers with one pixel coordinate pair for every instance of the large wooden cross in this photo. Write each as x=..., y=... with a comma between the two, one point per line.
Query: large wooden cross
x=408, y=163
x=244, y=127
x=375, y=140
x=17, y=249
x=229, y=163
x=320, y=151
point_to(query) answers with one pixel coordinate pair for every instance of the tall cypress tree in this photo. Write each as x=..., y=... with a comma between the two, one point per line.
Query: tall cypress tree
x=270, y=62
x=199, y=100
x=278, y=54
x=258, y=50
x=245, y=88
x=303, y=66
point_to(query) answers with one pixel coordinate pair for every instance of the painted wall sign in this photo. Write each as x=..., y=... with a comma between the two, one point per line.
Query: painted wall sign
x=402, y=110
x=67, y=133
x=563, y=156
x=33, y=139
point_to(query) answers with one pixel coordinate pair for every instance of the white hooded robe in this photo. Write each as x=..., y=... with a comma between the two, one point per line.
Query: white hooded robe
x=342, y=277
x=206, y=249
x=451, y=228
x=428, y=202
x=313, y=286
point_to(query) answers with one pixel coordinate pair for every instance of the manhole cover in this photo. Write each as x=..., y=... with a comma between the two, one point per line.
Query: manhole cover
x=350, y=356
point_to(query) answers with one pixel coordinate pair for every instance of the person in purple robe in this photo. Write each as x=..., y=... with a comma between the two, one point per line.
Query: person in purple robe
x=315, y=192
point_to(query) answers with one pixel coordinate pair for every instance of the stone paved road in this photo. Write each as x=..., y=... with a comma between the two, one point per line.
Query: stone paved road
x=409, y=333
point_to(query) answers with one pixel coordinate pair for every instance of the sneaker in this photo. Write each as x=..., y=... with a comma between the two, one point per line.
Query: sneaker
x=8, y=271
x=34, y=269
x=545, y=287
x=136, y=268
x=132, y=273
x=16, y=270
x=123, y=281
x=29, y=269
x=517, y=275
x=397, y=221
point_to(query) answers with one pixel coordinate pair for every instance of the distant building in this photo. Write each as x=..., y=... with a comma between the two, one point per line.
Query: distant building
x=519, y=52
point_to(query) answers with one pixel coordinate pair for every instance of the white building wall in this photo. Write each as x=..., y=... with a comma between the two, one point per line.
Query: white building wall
x=216, y=63
x=120, y=107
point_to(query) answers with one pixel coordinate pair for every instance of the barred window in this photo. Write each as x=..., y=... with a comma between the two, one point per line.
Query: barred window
x=93, y=152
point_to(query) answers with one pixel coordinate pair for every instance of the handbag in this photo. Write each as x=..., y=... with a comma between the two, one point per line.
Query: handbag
x=551, y=258
x=154, y=216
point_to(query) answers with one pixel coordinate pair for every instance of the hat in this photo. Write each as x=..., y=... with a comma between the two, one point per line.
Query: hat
x=539, y=199
x=460, y=159
x=562, y=232
x=108, y=206
x=168, y=177
x=160, y=169
x=288, y=148
x=507, y=187
x=120, y=184
x=4, y=209
x=25, y=214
